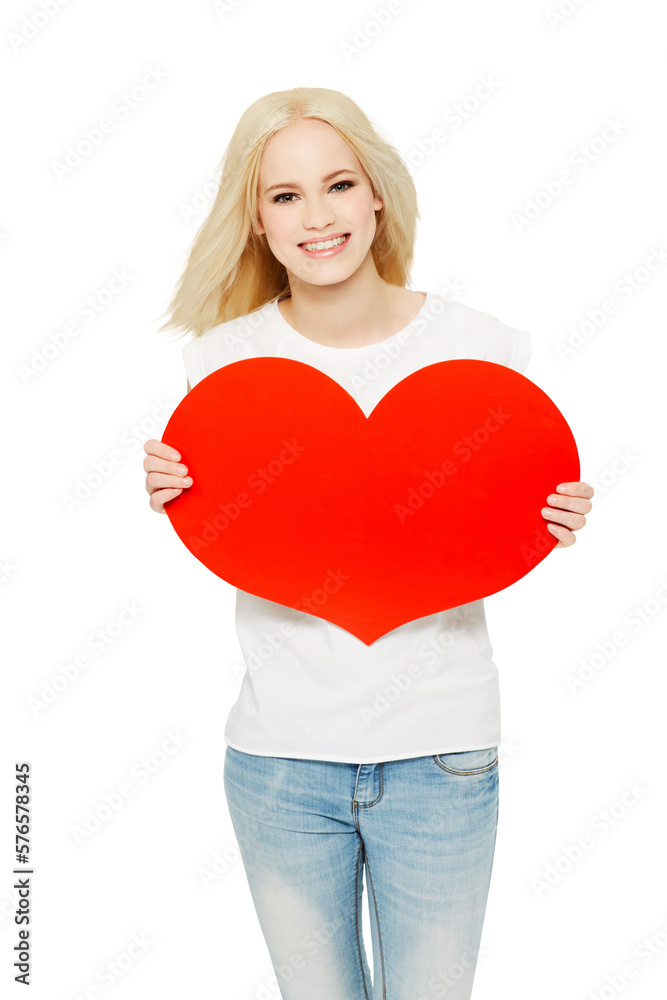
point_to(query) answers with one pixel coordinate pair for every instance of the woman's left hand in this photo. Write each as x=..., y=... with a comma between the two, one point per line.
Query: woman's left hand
x=566, y=511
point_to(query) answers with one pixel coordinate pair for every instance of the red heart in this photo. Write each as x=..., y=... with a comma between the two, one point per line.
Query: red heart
x=431, y=502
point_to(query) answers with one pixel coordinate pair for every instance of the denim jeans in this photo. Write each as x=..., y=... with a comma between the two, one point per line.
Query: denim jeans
x=425, y=830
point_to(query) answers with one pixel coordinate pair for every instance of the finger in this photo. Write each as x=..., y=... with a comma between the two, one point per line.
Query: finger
x=576, y=489
x=153, y=464
x=567, y=518
x=577, y=504
x=162, y=450
x=564, y=535
x=158, y=499
x=158, y=480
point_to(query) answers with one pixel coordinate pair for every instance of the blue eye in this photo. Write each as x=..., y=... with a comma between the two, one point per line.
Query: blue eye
x=290, y=194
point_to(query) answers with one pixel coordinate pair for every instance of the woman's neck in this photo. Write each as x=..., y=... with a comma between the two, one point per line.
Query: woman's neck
x=350, y=319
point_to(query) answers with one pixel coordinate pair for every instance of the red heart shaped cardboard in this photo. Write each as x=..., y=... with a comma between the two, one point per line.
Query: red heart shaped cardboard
x=431, y=502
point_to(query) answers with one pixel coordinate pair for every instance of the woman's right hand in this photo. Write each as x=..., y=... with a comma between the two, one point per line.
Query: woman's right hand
x=165, y=479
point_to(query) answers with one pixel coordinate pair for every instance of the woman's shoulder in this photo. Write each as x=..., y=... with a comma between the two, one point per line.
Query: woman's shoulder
x=229, y=341
x=482, y=334
x=231, y=326
x=472, y=317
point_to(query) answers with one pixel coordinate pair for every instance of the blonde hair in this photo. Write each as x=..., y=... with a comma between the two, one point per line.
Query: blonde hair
x=231, y=271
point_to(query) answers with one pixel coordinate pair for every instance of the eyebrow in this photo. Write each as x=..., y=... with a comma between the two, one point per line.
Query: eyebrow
x=329, y=177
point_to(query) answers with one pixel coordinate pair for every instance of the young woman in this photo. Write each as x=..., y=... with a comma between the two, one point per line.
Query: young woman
x=343, y=757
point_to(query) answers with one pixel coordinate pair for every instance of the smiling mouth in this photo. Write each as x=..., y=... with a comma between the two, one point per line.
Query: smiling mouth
x=344, y=237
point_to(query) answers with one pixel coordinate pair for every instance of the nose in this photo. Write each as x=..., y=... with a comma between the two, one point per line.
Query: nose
x=317, y=215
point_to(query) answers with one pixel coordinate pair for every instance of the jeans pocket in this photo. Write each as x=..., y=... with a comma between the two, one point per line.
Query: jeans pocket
x=468, y=761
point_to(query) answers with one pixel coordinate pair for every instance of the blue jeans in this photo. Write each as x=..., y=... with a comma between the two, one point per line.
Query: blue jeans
x=425, y=830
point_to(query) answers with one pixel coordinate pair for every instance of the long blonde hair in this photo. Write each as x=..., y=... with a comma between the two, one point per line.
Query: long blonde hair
x=231, y=271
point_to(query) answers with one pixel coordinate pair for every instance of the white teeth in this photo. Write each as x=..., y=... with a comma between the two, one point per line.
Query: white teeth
x=324, y=246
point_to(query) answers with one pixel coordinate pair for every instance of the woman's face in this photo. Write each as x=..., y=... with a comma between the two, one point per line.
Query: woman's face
x=305, y=208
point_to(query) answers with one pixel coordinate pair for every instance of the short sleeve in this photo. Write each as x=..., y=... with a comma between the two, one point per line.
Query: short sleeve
x=192, y=361
x=521, y=350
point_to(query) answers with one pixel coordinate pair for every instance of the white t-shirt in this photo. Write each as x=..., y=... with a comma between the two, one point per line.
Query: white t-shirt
x=311, y=689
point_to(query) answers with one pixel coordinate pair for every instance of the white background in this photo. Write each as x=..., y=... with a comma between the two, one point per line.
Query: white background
x=129, y=207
